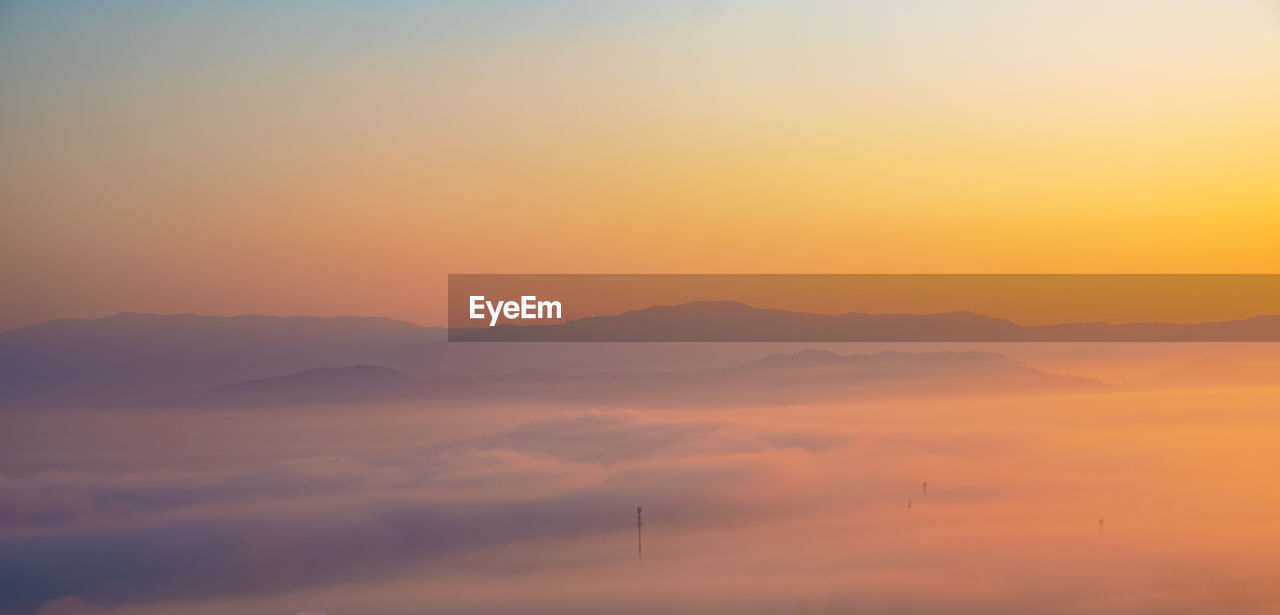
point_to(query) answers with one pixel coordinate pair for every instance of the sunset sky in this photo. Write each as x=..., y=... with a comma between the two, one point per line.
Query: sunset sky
x=230, y=157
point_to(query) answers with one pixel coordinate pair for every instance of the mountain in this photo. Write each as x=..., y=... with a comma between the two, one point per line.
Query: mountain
x=323, y=385
x=812, y=357
x=715, y=321
x=132, y=356
x=129, y=357
x=1214, y=372
x=125, y=358
x=712, y=321
x=818, y=375
x=784, y=378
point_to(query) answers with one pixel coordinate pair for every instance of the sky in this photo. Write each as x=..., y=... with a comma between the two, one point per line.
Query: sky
x=329, y=158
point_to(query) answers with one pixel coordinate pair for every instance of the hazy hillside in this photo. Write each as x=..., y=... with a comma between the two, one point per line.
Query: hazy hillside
x=129, y=356
x=1214, y=371
x=324, y=385
x=805, y=376
x=734, y=321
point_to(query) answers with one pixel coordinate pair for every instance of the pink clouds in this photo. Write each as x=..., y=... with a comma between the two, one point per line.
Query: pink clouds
x=783, y=509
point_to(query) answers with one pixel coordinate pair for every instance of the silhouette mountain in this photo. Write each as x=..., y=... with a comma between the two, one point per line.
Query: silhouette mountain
x=318, y=386
x=127, y=358
x=811, y=357
x=824, y=375
x=1214, y=371
x=734, y=321
x=130, y=356
x=808, y=375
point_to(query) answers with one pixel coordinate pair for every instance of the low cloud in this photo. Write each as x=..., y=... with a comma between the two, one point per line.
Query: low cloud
x=769, y=510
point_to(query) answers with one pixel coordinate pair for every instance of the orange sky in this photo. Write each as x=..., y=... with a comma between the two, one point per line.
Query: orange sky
x=343, y=160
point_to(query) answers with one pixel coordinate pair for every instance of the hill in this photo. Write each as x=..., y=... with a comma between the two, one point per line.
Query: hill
x=715, y=321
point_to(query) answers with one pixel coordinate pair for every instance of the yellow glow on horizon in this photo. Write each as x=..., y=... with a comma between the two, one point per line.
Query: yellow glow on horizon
x=304, y=176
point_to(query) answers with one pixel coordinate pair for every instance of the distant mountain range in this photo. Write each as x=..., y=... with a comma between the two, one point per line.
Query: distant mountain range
x=809, y=375
x=205, y=361
x=123, y=358
x=1214, y=372
x=128, y=356
x=322, y=385
x=717, y=321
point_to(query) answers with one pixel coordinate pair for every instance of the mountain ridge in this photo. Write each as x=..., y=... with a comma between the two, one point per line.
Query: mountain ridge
x=736, y=321
x=780, y=378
